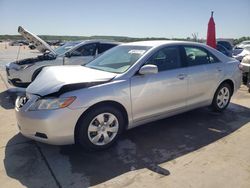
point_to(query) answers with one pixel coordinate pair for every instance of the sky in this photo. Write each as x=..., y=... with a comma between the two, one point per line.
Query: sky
x=133, y=18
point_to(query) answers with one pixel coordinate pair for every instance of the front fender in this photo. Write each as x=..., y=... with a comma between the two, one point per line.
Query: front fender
x=117, y=91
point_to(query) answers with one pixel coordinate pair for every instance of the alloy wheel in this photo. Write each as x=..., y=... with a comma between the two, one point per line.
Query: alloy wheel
x=103, y=129
x=223, y=97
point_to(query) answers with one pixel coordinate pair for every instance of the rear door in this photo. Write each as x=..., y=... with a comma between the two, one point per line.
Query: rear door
x=204, y=73
x=82, y=54
x=156, y=94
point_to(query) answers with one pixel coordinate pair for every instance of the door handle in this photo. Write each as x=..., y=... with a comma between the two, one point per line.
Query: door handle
x=181, y=76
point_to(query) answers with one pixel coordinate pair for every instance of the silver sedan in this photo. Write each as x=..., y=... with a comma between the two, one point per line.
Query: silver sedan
x=127, y=86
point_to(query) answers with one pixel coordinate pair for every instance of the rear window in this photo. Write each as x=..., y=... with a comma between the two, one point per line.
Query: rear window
x=199, y=56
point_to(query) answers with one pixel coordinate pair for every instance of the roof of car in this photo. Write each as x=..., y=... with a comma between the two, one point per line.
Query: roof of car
x=155, y=43
x=100, y=41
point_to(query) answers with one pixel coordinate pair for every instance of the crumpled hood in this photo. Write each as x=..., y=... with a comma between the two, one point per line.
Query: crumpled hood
x=53, y=79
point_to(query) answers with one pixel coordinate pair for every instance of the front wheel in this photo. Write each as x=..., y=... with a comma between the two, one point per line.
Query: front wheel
x=99, y=128
x=222, y=97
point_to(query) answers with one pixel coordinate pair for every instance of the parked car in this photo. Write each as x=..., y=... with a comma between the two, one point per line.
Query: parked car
x=22, y=72
x=32, y=46
x=127, y=86
x=227, y=45
x=244, y=51
x=245, y=66
x=240, y=47
x=54, y=42
x=18, y=43
x=223, y=50
x=243, y=44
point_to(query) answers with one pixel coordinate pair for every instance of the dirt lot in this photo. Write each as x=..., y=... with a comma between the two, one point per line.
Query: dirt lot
x=195, y=149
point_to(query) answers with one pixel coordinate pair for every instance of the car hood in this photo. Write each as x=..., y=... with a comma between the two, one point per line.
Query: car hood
x=40, y=44
x=60, y=79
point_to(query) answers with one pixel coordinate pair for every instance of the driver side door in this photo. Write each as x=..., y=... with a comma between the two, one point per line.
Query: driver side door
x=155, y=95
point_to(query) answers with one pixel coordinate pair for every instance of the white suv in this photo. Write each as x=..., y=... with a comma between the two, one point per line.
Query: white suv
x=22, y=72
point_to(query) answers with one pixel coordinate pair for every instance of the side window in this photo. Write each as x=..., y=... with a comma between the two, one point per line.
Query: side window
x=213, y=59
x=85, y=50
x=104, y=47
x=166, y=59
x=199, y=56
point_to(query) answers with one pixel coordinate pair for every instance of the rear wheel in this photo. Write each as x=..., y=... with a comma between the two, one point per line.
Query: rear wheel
x=222, y=97
x=99, y=128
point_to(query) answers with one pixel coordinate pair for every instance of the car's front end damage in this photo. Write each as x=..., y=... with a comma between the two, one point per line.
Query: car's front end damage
x=46, y=124
x=17, y=73
x=49, y=112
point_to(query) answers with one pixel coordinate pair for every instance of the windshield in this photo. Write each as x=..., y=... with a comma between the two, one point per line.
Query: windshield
x=118, y=59
x=64, y=48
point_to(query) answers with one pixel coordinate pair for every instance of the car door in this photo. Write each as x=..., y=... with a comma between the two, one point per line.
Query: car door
x=204, y=72
x=81, y=55
x=155, y=94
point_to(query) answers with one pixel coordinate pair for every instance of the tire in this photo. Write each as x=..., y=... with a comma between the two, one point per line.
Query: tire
x=245, y=78
x=93, y=128
x=222, y=97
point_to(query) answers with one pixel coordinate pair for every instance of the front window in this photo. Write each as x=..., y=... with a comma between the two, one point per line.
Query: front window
x=118, y=59
x=66, y=47
x=166, y=59
x=85, y=50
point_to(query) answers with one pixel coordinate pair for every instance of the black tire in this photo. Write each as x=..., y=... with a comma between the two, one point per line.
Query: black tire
x=82, y=134
x=245, y=78
x=215, y=105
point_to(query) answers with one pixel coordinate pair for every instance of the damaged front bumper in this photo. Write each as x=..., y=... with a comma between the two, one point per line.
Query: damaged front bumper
x=55, y=127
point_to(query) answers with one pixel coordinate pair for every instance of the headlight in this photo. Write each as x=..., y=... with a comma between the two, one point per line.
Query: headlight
x=51, y=103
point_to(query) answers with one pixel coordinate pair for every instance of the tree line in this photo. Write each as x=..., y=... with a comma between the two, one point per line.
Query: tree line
x=114, y=38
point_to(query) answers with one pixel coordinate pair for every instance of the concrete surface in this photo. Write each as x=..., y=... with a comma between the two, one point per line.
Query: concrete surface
x=195, y=149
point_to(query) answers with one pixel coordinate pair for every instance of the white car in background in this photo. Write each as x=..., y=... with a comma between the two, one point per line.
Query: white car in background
x=22, y=72
x=243, y=44
x=240, y=53
x=245, y=66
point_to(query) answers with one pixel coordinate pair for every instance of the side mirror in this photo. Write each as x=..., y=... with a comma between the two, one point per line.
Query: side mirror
x=148, y=69
x=67, y=54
